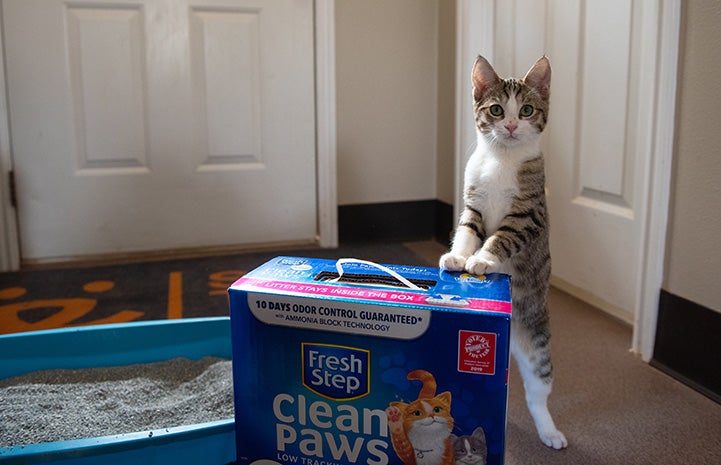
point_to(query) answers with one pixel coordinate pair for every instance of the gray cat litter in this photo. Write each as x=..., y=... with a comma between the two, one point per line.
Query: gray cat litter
x=57, y=405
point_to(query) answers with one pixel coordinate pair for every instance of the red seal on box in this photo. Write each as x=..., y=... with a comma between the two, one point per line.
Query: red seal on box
x=477, y=352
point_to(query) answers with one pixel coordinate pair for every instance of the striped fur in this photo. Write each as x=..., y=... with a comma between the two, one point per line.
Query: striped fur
x=504, y=225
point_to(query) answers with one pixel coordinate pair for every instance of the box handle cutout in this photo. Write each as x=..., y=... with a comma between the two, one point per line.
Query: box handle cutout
x=393, y=280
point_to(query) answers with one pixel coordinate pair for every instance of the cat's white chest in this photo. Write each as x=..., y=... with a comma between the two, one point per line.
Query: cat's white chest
x=491, y=184
x=430, y=453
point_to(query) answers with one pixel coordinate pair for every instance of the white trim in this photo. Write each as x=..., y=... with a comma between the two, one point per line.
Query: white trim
x=475, y=34
x=9, y=240
x=326, y=177
x=646, y=311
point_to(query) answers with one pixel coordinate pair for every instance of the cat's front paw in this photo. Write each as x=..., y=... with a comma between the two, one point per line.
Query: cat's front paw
x=395, y=420
x=554, y=439
x=482, y=263
x=452, y=262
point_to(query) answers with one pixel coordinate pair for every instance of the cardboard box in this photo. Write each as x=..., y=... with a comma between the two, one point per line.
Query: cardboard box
x=334, y=371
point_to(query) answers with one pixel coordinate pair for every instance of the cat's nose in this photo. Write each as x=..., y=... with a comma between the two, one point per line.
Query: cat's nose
x=510, y=128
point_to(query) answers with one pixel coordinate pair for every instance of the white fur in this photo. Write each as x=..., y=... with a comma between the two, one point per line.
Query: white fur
x=493, y=170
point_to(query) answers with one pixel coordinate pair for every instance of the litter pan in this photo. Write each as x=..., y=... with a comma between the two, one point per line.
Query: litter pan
x=211, y=443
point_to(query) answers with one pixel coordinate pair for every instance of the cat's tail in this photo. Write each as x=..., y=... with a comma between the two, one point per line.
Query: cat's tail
x=428, y=391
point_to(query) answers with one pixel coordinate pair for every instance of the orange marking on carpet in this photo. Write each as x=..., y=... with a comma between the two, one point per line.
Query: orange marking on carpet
x=98, y=286
x=175, y=295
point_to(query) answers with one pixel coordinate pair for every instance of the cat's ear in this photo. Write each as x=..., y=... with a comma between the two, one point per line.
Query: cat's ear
x=483, y=77
x=539, y=77
x=479, y=434
x=444, y=397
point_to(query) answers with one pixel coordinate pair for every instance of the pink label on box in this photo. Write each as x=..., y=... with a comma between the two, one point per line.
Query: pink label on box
x=374, y=295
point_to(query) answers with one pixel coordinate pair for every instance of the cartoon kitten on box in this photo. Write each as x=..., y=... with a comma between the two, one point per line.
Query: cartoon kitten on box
x=421, y=431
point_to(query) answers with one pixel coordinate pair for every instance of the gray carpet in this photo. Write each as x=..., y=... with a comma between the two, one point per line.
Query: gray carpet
x=612, y=407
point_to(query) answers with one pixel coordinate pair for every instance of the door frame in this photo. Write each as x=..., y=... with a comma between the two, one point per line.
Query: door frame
x=475, y=33
x=325, y=104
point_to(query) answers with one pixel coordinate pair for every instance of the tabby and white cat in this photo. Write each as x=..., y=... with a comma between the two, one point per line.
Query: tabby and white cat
x=504, y=226
x=421, y=430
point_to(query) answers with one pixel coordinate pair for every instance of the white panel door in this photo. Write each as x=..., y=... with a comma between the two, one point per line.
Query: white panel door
x=160, y=124
x=602, y=140
x=600, y=147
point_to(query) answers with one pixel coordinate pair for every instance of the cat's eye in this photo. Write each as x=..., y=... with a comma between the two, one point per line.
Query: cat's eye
x=496, y=110
x=437, y=410
x=417, y=413
x=526, y=111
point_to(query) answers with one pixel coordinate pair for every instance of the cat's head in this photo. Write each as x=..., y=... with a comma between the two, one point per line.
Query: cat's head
x=427, y=415
x=470, y=450
x=511, y=112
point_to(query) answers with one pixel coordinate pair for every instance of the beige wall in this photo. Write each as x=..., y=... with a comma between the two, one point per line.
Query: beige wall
x=387, y=64
x=445, y=163
x=693, y=257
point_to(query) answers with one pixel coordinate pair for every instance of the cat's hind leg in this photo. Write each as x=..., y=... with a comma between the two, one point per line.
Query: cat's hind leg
x=532, y=353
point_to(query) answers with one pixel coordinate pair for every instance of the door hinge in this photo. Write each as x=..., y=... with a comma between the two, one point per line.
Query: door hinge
x=12, y=189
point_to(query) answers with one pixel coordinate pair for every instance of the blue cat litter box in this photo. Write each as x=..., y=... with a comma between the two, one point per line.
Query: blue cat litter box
x=211, y=443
